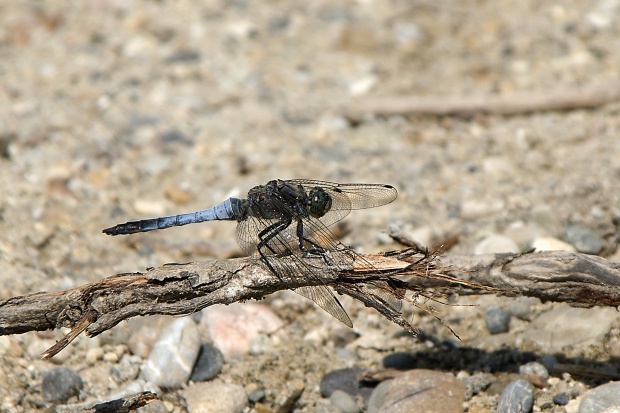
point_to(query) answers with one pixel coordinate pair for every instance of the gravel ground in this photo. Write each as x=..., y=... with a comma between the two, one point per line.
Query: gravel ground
x=117, y=110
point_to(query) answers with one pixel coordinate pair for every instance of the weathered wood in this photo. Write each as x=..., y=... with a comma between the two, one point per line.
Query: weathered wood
x=375, y=280
x=560, y=276
x=127, y=404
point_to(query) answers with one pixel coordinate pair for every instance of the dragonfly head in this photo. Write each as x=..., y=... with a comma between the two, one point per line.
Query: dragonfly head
x=319, y=202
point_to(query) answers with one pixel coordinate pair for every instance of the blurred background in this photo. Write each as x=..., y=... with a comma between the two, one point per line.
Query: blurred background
x=121, y=110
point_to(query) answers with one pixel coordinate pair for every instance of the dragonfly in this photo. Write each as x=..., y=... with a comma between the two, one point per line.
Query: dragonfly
x=285, y=223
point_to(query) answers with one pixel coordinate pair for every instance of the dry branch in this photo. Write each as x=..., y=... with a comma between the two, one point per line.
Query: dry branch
x=560, y=276
x=127, y=404
x=508, y=104
x=176, y=289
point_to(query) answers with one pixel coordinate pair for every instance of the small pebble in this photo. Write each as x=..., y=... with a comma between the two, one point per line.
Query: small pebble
x=549, y=361
x=242, y=29
x=94, y=354
x=521, y=307
x=344, y=402
x=289, y=395
x=534, y=368
x=476, y=383
x=561, y=399
x=60, y=384
x=495, y=244
x=342, y=336
x=257, y=395
x=551, y=244
x=209, y=364
x=175, y=137
x=497, y=320
x=345, y=380
x=363, y=85
x=543, y=402
x=178, y=195
x=584, y=239
x=183, y=56
x=517, y=397
x=215, y=397
x=110, y=357
x=170, y=363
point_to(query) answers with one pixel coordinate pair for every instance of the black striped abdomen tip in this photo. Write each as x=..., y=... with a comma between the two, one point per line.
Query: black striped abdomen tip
x=122, y=229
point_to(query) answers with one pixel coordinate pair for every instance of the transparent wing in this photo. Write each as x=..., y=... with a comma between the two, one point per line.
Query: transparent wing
x=286, y=247
x=286, y=258
x=246, y=234
x=360, y=196
x=318, y=233
x=346, y=197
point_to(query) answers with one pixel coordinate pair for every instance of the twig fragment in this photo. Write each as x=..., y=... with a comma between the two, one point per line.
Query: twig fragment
x=507, y=104
x=125, y=404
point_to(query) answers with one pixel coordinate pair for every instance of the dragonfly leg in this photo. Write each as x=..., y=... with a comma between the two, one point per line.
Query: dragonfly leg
x=316, y=248
x=267, y=235
x=270, y=232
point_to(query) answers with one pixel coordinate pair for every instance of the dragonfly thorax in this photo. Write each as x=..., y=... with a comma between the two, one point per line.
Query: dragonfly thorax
x=319, y=202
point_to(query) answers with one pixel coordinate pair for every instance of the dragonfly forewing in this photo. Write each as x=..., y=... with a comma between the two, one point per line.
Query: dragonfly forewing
x=325, y=299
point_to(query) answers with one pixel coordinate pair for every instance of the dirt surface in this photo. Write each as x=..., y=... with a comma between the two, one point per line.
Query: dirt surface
x=118, y=110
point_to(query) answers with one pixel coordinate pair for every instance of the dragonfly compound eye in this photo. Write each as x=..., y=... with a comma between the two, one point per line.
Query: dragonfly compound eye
x=319, y=202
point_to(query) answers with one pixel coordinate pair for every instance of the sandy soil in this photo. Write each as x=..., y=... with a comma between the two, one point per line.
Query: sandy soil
x=116, y=110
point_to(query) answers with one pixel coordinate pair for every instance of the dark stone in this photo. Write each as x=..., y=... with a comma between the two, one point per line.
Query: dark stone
x=209, y=363
x=549, y=361
x=5, y=143
x=584, y=239
x=184, y=56
x=345, y=380
x=60, y=384
x=497, y=320
x=343, y=336
x=517, y=397
x=477, y=383
x=561, y=399
x=256, y=395
x=175, y=137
